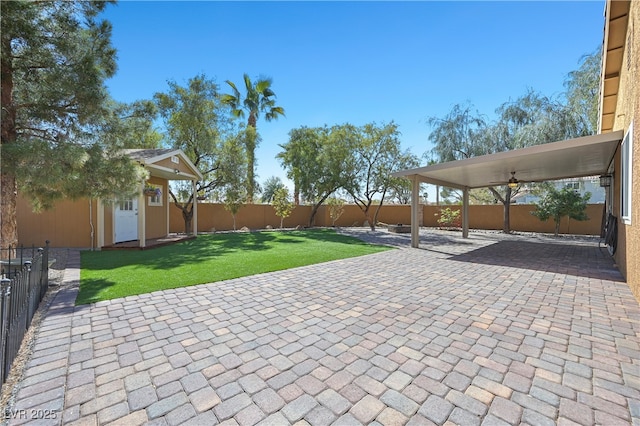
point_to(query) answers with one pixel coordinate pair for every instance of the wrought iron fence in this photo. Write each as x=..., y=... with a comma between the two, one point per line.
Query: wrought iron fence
x=23, y=284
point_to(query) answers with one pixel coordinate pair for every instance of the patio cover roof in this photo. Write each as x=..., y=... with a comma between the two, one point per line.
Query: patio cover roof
x=586, y=156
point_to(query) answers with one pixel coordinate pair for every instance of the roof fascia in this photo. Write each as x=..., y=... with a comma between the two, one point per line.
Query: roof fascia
x=180, y=153
x=190, y=176
x=603, y=66
x=508, y=155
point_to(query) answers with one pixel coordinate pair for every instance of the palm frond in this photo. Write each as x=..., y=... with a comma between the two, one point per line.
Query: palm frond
x=262, y=85
x=247, y=82
x=267, y=92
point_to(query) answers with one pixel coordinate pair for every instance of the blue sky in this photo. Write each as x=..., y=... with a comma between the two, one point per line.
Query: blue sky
x=356, y=62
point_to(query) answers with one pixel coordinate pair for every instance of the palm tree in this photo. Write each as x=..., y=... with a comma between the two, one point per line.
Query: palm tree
x=259, y=98
x=270, y=186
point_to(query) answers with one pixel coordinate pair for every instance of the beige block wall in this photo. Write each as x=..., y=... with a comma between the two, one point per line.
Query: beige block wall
x=67, y=224
x=257, y=216
x=521, y=219
x=214, y=216
x=354, y=216
x=627, y=111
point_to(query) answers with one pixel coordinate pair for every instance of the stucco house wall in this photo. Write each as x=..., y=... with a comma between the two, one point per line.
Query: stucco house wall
x=628, y=111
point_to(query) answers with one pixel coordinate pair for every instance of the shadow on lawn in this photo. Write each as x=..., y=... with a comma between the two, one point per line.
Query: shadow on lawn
x=331, y=236
x=207, y=247
x=90, y=290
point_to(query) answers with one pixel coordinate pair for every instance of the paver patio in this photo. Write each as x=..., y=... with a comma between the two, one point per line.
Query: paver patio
x=490, y=330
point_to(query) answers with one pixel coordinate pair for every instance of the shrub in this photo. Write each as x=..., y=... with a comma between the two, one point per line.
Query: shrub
x=565, y=202
x=448, y=218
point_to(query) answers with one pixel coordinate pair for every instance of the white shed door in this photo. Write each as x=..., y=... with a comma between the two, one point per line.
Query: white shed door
x=126, y=220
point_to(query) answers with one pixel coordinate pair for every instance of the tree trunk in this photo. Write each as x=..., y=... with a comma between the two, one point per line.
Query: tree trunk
x=8, y=214
x=557, y=229
x=8, y=184
x=234, y=221
x=375, y=216
x=296, y=194
x=506, y=226
x=281, y=222
x=251, y=156
x=317, y=206
x=314, y=210
x=251, y=159
x=187, y=215
x=371, y=221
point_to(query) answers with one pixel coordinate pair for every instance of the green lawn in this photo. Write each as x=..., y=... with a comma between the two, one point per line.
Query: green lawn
x=112, y=274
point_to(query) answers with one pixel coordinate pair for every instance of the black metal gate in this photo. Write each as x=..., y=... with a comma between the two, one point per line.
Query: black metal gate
x=23, y=284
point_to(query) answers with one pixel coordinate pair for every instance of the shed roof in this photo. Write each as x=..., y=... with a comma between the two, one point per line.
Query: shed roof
x=149, y=158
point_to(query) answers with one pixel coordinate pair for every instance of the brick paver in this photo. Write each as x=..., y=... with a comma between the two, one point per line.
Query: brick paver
x=495, y=329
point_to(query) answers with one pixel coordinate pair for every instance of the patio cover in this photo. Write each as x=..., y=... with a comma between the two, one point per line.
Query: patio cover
x=586, y=156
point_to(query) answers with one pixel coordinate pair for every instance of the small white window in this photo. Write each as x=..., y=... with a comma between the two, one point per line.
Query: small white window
x=573, y=185
x=156, y=199
x=626, y=176
x=125, y=205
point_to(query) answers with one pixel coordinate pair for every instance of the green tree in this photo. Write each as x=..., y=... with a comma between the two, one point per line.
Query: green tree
x=281, y=204
x=319, y=161
x=196, y=123
x=559, y=203
x=377, y=153
x=582, y=92
x=336, y=209
x=132, y=125
x=234, y=197
x=258, y=99
x=532, y=119
x=400, y=188
x=456, y=135
x=271, y=185
x=234, y=163
x=55, y=57
x=462, y=133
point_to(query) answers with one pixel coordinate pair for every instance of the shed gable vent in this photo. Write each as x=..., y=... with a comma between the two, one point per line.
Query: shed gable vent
x=175, y=159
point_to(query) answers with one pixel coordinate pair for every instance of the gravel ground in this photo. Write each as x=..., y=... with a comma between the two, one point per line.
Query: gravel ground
x=56, y=274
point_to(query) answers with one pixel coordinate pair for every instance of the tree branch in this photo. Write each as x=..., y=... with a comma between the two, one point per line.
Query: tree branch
x=497, y=194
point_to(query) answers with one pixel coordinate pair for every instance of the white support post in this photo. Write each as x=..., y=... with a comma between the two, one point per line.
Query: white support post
x=194, y=219
x=142, y=218
x=465, y=213
x=100, y=220
x=415, y=209
x=166, y=194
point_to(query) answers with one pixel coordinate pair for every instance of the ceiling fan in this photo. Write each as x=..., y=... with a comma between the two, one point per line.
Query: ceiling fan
x=512, y=182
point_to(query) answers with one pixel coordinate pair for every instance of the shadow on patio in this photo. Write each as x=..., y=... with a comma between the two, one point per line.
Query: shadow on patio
x=564, y=257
